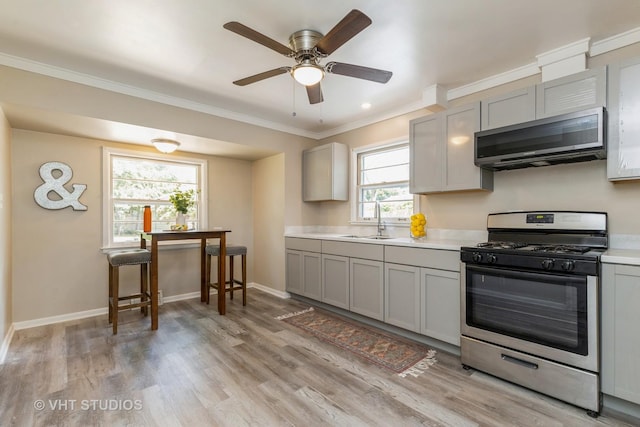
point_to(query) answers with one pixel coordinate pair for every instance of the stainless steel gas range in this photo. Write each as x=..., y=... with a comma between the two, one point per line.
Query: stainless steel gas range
x=530, y=303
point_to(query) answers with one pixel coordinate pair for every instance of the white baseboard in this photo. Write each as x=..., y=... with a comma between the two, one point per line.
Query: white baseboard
x=104, y=310
x=4, y=348
x=26, y=324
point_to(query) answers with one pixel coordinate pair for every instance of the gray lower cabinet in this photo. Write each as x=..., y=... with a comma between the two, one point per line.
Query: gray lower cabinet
x=366, y=289
x=620, y=337
x=335, y=280
x=440, y=305
x=303, y=272
x=402, y=296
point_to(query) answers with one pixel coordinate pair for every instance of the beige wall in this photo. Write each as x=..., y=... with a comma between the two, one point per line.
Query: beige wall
x=268, y=221
x=582, y=186
x=5, y=227
x=58, y=265
x=55, y=270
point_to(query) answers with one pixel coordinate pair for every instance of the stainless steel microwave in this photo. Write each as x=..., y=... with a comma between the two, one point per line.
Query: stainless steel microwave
x=568, y=138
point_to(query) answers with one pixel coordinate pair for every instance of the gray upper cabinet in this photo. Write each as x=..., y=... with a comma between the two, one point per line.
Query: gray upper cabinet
x=623, y=155
x=515, y=107
x=325, y=173
x=441, y=147
x=580, y=91
x=424, y=148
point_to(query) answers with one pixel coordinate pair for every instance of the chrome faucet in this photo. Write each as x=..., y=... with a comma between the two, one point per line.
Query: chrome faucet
x=381, y=226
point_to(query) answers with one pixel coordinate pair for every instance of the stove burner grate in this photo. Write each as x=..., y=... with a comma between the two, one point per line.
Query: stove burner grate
x=502, y=245
x=563, y=249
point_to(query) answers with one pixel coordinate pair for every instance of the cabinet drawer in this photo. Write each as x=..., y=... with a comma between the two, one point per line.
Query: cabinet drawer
x=309, y=245
x=354, y=250
x=429, y=258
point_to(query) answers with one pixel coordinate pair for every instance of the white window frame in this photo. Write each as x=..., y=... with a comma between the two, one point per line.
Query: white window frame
x=354, y=184
x=107, y=200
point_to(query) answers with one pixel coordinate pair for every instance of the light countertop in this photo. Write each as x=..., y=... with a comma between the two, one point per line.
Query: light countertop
x=428, y=243
x=621, y=256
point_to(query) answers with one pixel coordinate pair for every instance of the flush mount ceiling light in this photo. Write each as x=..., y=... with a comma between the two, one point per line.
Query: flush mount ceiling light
x=307, y=73
x=165, y=145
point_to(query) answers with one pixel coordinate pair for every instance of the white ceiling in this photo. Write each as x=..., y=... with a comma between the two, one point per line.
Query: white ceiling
x=178, y=49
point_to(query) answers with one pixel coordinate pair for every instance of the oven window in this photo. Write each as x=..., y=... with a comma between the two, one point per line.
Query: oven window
x=547, y=309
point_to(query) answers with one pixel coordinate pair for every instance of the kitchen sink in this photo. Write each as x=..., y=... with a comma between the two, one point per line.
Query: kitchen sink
x=353, y=236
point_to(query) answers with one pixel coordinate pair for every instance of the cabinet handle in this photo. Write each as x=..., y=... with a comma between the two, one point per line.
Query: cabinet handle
x=519, y=361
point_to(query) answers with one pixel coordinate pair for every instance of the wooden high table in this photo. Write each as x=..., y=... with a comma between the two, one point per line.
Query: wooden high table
x=202, y=235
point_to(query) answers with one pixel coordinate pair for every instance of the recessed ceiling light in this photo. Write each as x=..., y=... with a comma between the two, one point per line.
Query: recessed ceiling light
x=365, y=105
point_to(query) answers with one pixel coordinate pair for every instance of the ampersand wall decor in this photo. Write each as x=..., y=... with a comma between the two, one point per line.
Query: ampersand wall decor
x=56, y=185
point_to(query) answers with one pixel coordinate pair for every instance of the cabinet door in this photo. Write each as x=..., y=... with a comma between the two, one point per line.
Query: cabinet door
x=425, y=164
x=294, y=272
x=402, y=296
x=335, y=280
x=576, y=92
x=312, y=275
x=325, y=173
x=460, y=171
x=366, y=288
x=516, y=107
x=623, y=155
x=620, y=338
x=440, y=305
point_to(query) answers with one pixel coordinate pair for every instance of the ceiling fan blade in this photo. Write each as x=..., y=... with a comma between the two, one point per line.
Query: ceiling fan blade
x=358, y=71
x=261, y=76
x=257, y=37
x=315, y=94
x=352, y=24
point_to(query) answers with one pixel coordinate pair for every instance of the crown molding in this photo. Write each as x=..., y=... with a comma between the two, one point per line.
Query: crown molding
x=615, y=42
x=124, y=89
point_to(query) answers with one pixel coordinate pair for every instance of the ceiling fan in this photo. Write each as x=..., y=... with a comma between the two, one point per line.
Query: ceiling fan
x=308, y=47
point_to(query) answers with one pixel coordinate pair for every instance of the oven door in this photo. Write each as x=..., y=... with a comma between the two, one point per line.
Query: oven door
x=549, y=315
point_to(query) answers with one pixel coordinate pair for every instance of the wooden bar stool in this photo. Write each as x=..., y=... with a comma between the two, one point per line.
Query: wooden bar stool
x=117, y=259
x=234, y=284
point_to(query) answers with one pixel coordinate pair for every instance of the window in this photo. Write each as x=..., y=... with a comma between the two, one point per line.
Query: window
x=382, y=176
x=133, y=180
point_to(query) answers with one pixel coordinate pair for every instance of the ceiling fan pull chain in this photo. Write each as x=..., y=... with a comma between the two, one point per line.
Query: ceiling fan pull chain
x=293, y=101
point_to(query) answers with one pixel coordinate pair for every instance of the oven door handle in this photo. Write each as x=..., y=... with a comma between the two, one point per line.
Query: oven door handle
x=517, y=361
x=526, y=275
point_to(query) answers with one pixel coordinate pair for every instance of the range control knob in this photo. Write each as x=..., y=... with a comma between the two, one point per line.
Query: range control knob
x=547, y=264
x=477, y=257
x=568, y=265
x=491, y=259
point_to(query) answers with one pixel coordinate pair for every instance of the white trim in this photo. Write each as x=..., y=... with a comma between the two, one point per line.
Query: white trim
x=268, y=290
x=4, y=348
x=26, y=324
x=353, y=181
x=117, y=87
x=495, y=80
x=563, y=52
x=108, y=152
x=104, y=310
x=615, y=42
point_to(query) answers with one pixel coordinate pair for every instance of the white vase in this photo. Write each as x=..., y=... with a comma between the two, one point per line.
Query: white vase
x=181, y=219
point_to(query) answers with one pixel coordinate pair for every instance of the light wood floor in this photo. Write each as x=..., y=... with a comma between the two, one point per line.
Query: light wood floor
x=245, y=368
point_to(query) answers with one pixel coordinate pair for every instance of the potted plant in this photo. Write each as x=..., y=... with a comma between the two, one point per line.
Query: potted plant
x=182, y=201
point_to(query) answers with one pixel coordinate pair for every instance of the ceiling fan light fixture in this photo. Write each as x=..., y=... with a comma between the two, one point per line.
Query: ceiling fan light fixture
x=165, y=145
x=307, y=73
